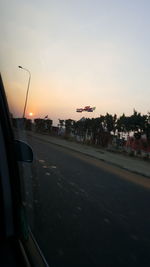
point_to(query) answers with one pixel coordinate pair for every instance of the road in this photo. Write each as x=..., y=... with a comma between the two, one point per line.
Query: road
x=84, y=212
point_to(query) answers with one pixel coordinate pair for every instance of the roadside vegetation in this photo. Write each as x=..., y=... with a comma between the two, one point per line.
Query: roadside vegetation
x=124, y=133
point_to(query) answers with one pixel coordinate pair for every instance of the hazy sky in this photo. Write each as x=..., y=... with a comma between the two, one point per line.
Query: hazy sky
x=79, y=52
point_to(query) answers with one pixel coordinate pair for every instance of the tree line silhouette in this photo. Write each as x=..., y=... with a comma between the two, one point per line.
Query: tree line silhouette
x=98, y=130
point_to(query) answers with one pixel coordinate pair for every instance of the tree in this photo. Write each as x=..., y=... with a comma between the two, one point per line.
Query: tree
x=110, y=122
x=137, y=122
x=39, y=124
x=42, y=125
x=121, y=124
x=61, y=123
x=79, y=127
x=69, y=125
x=48, y=125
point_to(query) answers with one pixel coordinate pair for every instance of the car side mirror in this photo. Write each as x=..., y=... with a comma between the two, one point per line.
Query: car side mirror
x=23, y=151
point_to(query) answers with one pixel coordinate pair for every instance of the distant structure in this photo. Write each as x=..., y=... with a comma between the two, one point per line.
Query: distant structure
x=86, y=108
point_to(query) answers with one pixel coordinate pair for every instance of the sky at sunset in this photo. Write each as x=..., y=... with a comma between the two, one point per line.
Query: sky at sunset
x=79, y=53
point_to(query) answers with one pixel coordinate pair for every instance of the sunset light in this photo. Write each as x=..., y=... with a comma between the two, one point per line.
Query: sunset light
x=103, y=67
x=75, y=133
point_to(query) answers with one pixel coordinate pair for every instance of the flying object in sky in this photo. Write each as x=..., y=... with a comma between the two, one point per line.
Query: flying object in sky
x=86, y=108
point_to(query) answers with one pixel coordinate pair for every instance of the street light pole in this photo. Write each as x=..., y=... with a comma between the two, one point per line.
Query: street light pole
x=24, y=111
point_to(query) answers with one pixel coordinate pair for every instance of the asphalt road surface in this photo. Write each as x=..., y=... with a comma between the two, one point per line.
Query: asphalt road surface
x=84, y=212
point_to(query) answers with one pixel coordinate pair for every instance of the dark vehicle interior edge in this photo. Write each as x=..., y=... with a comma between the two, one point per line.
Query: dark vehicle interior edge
x=17, y=244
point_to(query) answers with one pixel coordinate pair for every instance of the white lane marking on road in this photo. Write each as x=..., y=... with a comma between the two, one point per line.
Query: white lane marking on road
x=41, y=160
x=53, y=167
x=47, y=173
